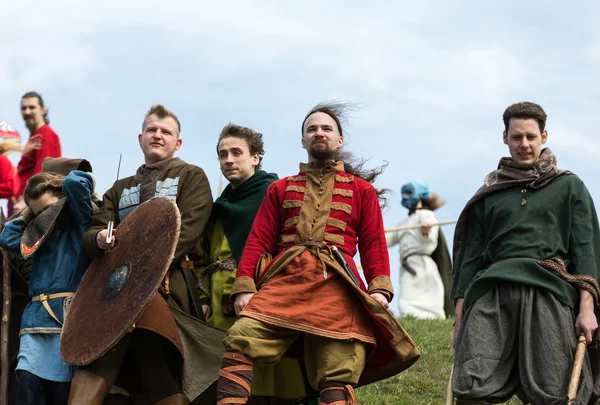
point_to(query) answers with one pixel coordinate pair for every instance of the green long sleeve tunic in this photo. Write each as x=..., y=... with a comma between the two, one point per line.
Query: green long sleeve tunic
x=509, y=231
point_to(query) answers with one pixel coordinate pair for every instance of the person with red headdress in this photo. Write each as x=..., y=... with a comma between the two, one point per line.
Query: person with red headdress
x=10, y=141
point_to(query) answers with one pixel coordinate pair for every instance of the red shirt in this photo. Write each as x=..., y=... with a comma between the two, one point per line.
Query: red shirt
x=31, y=162
x=9, y=181
x=355, y=218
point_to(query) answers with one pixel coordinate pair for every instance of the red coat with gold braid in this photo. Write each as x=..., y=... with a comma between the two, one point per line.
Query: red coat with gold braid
x=324, y=206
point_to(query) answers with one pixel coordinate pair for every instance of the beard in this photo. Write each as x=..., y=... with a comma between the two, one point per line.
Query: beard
x=29, y=122
x=321, y=151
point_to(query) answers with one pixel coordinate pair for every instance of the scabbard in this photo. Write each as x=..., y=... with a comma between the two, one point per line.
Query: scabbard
x=187, y=269
x=337, y=255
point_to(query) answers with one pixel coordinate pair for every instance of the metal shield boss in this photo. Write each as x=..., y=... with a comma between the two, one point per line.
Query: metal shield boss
x=117, y=288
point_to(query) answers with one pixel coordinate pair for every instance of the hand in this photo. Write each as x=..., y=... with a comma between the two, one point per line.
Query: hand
x=241, y=300
x=101, y=239
x=207, y=311
x=458, y=309
x=381, y=299
x=19, y=206
x=228, y=310
x=34, y=143
x=27, y=215
x=425, y=228
x=587, y=323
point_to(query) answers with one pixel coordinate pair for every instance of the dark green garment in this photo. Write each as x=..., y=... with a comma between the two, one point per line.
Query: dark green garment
x=236, y=208
x=505, y=239
x=441, y=257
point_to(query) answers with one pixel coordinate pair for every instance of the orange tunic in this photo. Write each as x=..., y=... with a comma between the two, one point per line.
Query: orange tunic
x=301, y=298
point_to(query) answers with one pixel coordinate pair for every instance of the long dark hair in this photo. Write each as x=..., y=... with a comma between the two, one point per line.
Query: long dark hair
x=355, y=166
x=32, y=94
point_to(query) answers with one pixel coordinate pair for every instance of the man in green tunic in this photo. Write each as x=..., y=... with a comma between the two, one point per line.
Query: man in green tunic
x=526, y=265
x=240, y=151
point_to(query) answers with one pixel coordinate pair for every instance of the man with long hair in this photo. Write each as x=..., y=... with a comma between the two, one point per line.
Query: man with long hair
x=240, y=151
x=297, y=281
x=43, y=142
x=526, y=267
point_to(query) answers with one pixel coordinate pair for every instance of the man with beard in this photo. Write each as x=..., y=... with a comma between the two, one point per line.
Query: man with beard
x=155, y=350
x=310, y=224
x=43, y=142
x=526, y=252
x=240, y=151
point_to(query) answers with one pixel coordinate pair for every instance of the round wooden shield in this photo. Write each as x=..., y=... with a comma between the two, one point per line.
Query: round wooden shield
x=117, y=288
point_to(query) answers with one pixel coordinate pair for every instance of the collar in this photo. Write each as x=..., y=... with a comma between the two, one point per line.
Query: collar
x=330, y=165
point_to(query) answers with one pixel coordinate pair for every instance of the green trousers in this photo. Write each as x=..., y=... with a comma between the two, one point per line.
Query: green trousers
x=327, y=360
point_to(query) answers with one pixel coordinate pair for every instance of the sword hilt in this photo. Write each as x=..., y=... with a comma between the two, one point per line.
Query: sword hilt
x=337, y=255
x=109, y=232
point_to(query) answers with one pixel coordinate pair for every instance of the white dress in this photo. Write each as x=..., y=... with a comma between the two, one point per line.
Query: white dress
x=420, y=295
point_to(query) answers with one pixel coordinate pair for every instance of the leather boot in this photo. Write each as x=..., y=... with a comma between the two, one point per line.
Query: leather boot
x=177, y=399
x=87, y=388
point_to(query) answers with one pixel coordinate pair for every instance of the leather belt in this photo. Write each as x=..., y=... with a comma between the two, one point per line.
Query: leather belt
x=44, y=299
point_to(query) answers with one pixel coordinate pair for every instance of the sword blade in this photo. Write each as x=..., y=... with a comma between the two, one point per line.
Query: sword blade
x=119, y=166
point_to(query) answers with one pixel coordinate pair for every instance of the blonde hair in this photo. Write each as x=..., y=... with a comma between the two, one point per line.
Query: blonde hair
x=161, y=112
x=10, y=145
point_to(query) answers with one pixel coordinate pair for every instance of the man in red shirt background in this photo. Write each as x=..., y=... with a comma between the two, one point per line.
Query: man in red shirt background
x=43, y=142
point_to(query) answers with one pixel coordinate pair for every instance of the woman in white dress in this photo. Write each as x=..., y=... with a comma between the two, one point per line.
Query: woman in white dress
x=421, y=288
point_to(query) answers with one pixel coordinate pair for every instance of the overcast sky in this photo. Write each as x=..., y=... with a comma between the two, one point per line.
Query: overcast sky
x=433, y=77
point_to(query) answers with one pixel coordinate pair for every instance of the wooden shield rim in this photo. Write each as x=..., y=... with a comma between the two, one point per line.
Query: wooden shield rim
x=78, y=358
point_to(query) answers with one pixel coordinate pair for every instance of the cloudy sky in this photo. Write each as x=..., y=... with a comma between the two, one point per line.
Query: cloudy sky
x=433, y=79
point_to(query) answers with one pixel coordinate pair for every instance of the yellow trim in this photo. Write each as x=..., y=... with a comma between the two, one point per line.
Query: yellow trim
x=336, y=223
x=330, y=237
x=298, y=189
x=343, y=192
x=344, y=179
x=291, y=203
x=271, y=320
x=291, y=221
x=296, y=178
x=347, y=208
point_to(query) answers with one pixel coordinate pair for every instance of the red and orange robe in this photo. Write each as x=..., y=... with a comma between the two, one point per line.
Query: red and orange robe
x=324, y=206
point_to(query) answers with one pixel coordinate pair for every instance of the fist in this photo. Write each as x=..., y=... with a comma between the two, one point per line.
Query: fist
x=425, y=228
x=241, y=300
x=381, y=299
x=101, y=239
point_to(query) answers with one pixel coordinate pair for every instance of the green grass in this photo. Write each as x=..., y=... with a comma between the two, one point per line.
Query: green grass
x=424, y=383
